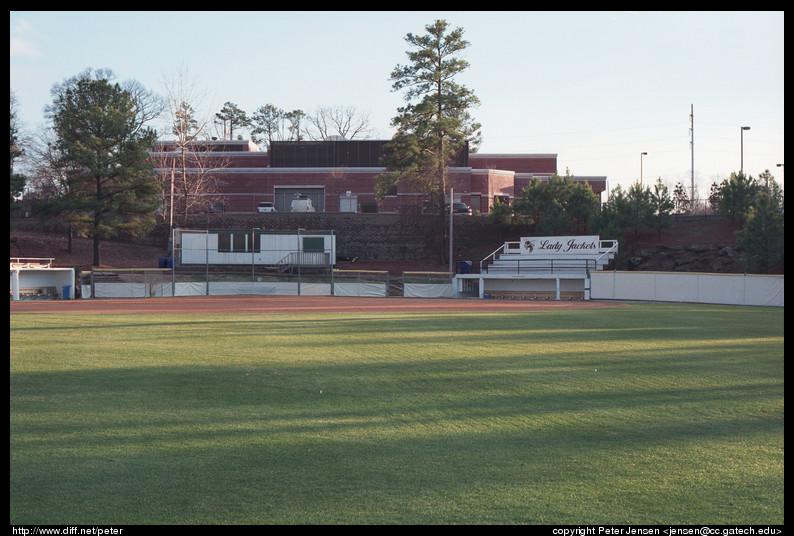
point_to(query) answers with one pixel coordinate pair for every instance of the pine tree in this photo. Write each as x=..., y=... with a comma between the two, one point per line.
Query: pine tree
x=102, y=141
x=662, y=204
x=435, y=125
x=761, y=238
x=231, y=117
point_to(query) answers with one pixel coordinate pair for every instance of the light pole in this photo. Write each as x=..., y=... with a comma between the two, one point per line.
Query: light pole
x=451, y=212
x=767, y=180
x=641, y=155
x=741, y=137
x=639, y=193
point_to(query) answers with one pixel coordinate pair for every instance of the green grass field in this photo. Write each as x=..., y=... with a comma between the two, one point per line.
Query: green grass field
x=644, y=414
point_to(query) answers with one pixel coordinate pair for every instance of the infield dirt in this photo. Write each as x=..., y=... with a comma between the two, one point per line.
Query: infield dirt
x=291, y=304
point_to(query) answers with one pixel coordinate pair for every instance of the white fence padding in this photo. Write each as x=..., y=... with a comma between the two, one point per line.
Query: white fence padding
x=768, y=290
x=734, y=289
x=190, y=289
x=315, y=289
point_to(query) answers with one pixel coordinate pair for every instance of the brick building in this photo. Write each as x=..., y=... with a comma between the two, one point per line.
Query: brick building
x=339, y=175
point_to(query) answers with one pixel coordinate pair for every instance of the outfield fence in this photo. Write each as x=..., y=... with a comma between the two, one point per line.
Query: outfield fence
x=167, y=282
x=734, y=289
x=687, y=287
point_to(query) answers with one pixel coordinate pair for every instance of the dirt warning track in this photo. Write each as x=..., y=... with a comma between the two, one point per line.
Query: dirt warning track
x=290, y=304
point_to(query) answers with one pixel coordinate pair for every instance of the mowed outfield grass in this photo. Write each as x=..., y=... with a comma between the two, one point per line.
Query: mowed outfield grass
x=644, y=414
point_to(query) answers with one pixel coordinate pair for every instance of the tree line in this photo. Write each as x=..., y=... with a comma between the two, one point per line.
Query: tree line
x=270, y=123
x=562, y=206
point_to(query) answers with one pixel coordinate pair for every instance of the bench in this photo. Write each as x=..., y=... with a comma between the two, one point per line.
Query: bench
x=536, y=294
x=38, y=292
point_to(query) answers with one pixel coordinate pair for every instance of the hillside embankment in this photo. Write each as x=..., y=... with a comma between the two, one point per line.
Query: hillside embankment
x=691, y=244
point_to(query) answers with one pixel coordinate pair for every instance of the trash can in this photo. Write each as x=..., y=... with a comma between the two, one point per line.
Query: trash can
x=67, y=292
x=464, y=267
x=165, y=262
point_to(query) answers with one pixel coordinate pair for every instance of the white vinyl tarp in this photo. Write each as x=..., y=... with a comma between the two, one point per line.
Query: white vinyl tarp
x=127, y=290
x=372, y=290
x=428, y=290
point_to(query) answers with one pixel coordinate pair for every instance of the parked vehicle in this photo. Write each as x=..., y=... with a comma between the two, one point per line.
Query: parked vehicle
x=302, y=204
x=406, y=209
x=460, y=208
x=267, y=206
x=457, y=208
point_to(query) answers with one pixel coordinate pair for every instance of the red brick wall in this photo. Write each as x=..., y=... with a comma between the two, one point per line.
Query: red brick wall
x=247, y=180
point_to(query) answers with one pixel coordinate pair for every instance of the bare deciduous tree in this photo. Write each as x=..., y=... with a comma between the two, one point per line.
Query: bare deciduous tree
x=348, y=122
x=188, y=171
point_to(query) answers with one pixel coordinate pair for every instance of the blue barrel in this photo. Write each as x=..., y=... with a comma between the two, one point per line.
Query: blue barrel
x=67, y=292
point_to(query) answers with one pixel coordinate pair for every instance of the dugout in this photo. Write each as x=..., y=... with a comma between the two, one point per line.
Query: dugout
x=33, y=279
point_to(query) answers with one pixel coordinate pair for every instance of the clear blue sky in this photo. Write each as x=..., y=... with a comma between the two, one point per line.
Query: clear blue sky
x=596, y=88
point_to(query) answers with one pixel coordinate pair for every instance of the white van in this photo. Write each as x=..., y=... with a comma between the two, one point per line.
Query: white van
x=266, y=206
x=302, y=204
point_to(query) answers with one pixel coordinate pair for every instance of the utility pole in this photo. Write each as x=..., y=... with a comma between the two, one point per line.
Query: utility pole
x=451, y=197
x=692, y=149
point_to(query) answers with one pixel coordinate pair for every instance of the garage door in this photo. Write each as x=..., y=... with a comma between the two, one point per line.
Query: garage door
x=285, y=195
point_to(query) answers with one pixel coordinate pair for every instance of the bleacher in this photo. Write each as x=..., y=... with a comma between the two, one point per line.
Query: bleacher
x=551, y=267
x=548, y=255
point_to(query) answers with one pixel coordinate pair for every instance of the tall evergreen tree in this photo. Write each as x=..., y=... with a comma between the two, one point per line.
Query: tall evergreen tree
x=762, y=237
x=231, y=117
x=735, y=195
x=662, y=205
x=435, y=125
x=267, y=125
x=642, y=209
x=102, y=140
x=614, y=216
x=559, y=206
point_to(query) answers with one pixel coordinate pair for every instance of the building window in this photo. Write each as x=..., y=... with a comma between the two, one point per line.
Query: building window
x=224, y=242
x=238, y=242
x=313, y=244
